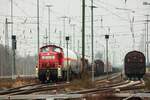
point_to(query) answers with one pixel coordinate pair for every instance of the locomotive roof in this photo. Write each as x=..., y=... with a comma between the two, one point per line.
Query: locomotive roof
x=51, y=46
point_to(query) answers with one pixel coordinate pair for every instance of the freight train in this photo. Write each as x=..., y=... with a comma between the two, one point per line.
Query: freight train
x=101, y=68
x=53, y=63
x=98, y=67
x=134, y=63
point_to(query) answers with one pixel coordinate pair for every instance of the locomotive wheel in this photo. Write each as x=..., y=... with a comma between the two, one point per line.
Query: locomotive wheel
x=42, y=78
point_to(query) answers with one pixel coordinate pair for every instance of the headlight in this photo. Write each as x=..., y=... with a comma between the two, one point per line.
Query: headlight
x=48, y=57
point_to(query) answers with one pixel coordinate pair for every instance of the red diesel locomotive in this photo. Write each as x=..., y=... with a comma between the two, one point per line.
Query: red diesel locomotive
x=53, y=63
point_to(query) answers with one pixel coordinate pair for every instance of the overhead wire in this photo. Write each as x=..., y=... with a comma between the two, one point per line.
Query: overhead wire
x=75, y=18
x=122, y=18
x=102, y=2
x=131, y=23
x=31, y=3
x=20, y=8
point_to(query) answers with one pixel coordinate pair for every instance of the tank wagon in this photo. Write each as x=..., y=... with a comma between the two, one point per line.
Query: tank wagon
x=134, y=63
x=53, y=63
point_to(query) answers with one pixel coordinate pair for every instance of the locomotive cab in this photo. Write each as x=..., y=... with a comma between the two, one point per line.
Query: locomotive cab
x=55, y=64
x=50, y=62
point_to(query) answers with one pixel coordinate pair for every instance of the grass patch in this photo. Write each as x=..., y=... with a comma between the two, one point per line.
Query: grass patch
x=147, y=82
x=9, y=83
x=6, y=83
x=82, y=83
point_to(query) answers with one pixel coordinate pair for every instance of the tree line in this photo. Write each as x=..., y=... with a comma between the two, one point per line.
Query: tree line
x=24, y=65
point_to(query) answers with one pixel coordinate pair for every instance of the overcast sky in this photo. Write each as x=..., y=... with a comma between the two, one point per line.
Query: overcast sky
x=120, y=16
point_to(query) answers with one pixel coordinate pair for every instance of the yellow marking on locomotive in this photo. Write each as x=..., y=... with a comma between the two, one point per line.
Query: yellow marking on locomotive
x=59, y=74
x=36, y=71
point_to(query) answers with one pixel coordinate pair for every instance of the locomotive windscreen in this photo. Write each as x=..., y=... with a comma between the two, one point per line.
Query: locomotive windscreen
x=56, y=49
x=45, y=49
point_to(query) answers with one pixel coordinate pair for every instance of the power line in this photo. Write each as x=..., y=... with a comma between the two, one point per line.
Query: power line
x=121, y=25
x=110, y=11
x=20, y=8
x=102, y=2
x=32, y=17
x=31, y=3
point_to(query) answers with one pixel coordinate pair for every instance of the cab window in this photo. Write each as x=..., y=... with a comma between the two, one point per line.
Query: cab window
x=46, y=49
x=56, y=50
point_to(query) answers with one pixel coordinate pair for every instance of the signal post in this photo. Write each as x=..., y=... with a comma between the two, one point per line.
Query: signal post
x=107, y=37
x=67, y=39
x=14, y=55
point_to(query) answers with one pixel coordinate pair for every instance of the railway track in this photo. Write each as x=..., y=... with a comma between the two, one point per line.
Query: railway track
x=33, y=88
x=17, y=89
x=113, y=78
x=42, y=88
x=99, y=92
x=112, y=85
x=126, y=85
